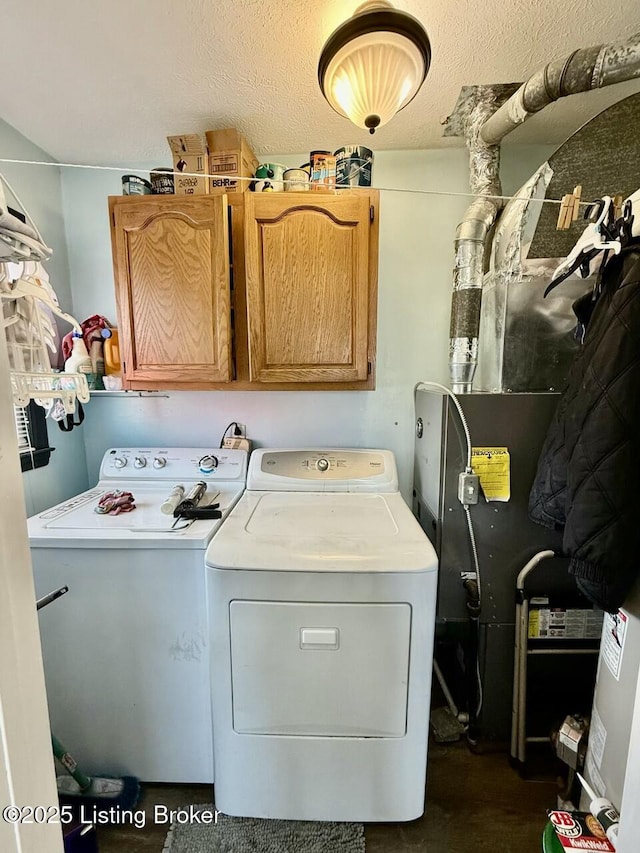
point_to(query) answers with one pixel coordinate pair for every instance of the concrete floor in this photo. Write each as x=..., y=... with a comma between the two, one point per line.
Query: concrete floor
x=474, y=803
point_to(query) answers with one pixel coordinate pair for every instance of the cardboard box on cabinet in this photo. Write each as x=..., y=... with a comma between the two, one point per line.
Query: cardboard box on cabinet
x=189, y=157
x=230, y=155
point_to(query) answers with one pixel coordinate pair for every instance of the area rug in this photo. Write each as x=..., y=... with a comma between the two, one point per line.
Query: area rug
x=254, y=835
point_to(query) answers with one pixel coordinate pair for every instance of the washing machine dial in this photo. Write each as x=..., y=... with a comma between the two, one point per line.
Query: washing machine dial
x=208, y=463
x=159, y=462
x=322, y=464
x=139, y=462
x=120, y=461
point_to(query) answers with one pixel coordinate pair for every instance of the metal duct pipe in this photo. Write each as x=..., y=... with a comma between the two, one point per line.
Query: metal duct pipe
x=471, y=240
x=583, y=70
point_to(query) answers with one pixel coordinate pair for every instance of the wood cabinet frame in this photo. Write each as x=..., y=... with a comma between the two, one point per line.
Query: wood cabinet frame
x=240, y=376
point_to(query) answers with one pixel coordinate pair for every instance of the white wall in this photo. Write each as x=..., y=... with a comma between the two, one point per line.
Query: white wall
x=40, y=190
x=629, y=812
x=416, y=258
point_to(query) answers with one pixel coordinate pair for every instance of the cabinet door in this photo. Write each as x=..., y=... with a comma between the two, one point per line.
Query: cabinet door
x=171, y=260
x=307, y=274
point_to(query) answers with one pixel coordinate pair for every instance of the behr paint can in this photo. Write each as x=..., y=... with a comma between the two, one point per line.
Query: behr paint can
x=354, y=164
x=135, y=185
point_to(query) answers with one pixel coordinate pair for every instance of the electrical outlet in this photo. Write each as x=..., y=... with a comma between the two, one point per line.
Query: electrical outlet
x=237, y=443
x=242, y=431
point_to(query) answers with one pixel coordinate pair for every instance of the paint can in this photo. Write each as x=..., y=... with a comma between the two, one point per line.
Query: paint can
x=296, y=180
x=354, y=164
x=162, y=181
x=134, y=185
x=322, y=169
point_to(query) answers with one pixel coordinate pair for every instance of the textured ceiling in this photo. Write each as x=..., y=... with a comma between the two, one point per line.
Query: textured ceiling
x=105, y=81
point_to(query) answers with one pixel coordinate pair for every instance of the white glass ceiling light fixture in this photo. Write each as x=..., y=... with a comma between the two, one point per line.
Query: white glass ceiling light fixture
x=373, y=65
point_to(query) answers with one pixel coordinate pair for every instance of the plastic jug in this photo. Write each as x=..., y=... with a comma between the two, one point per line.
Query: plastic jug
x=111, y=352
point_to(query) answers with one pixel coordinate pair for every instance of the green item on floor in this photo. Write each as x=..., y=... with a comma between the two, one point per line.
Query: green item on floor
x=246, y=834
x=550, y=842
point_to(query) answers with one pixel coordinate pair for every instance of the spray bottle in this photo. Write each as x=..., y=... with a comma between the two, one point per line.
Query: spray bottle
x=79, y=360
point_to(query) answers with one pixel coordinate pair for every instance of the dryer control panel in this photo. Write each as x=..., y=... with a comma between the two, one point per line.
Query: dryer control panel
x=324, y=469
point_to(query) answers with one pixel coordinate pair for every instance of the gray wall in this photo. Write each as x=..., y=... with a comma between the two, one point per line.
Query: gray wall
x=416, y=258
x=39, y=188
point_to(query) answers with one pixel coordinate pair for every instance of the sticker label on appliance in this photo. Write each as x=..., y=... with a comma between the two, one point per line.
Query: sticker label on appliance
x=614, y=634
x=597, y=737
x=493, y=467
x=593, y=774
x=575, y=624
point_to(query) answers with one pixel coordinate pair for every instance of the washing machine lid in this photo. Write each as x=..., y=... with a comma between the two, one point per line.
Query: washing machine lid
x=75, y=524
x=149, y=473
x=322, y=532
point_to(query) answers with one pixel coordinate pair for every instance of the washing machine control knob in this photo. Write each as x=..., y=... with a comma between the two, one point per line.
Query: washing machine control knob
x=120, y=461
x=322, y=464
x=208, y=463
x=159, y=462
x=139, y=462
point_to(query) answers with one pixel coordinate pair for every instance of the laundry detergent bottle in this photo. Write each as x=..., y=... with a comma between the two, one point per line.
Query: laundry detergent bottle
x=79, y=361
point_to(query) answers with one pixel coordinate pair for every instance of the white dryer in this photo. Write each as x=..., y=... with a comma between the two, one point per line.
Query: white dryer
x=321, y=594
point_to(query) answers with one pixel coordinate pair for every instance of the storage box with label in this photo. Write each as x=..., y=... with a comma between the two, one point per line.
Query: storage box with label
x=189, y=164
x=230, y=155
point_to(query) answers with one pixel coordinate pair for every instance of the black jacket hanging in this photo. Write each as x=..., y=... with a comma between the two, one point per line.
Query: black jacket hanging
x=588, y=478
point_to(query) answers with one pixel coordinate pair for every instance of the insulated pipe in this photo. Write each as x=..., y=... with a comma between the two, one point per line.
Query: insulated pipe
x=471, y=240
x=581, y=71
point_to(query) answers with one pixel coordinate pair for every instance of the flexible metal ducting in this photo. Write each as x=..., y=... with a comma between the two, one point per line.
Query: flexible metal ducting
x=471, y=239
x=583, y=70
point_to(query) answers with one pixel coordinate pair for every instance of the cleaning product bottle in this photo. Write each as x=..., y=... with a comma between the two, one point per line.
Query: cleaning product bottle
x=97, y=364
x=111, y=352
x=79, y=361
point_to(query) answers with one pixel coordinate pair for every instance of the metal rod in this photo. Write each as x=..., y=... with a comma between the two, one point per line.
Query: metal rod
x=445, y=689
x=563, y=651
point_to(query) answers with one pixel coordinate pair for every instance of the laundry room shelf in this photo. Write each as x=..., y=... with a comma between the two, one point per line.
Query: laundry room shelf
x=124, y=393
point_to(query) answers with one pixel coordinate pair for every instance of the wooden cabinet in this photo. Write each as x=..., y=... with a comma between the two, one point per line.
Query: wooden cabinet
x=307, y=273
x=266, y=291
x=172, y=288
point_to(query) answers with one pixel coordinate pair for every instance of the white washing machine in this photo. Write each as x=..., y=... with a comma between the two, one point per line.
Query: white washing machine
x=126, y=650
x=322, y=593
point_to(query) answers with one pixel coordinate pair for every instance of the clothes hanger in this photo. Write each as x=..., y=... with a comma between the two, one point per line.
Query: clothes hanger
x=596, y=238
x=20, y=239
x=603, y=234
x=24, y=287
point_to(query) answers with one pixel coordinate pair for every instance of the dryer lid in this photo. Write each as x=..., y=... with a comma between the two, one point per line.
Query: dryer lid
x=309, y=531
